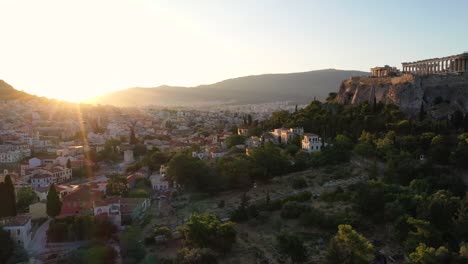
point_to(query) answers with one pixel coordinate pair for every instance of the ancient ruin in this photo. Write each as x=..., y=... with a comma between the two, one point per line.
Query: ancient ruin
x=455, y=64
x=385, y=71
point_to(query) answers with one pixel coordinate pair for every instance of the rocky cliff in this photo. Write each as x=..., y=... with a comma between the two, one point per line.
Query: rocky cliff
x=440, y=94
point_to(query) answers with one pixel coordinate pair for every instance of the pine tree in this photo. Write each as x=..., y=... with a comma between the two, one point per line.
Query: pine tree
x=10, y=197
x=54, y=205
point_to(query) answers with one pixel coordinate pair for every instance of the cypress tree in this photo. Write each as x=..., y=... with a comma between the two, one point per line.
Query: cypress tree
x=3, y=197
x=10, y=197
x=422, y=113
x=68, y=164
x=54, y=205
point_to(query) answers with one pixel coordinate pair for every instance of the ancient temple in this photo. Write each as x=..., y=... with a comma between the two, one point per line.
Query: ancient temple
x=385, y=71
x=456, y=64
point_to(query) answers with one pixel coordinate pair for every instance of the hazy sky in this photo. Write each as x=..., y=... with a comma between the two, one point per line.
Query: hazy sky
x=78, y=49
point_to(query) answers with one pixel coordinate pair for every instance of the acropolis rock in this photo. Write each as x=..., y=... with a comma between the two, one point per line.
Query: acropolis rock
x=409, y=91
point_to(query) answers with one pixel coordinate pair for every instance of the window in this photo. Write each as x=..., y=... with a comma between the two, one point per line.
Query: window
x=18, y=232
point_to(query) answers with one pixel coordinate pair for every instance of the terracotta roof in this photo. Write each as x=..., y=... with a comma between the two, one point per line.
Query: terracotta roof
x=19, y=220
x=42, y=176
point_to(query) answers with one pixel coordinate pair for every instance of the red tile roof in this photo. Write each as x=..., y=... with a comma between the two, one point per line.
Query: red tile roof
x=19, y=220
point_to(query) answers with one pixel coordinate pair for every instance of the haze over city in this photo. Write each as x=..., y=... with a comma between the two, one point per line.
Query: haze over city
x=75, y=50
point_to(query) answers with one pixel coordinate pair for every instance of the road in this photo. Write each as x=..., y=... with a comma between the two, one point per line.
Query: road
x=39, y=241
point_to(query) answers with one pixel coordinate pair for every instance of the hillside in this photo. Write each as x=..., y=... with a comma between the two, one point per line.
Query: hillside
x=7, y=92
x=442, y=94
x=297, y=87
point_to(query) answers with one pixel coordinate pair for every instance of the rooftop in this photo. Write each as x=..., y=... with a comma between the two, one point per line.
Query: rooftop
x=19, y=220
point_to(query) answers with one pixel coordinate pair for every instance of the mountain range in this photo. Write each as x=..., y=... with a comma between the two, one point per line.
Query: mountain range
x=299, y=88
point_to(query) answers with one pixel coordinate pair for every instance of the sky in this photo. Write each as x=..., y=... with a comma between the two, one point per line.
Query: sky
x=75, y=50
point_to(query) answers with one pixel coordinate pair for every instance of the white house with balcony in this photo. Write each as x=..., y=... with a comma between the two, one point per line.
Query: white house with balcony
x=311, y=142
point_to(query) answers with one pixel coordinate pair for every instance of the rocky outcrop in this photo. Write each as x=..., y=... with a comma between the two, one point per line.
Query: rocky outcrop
x=439, y=94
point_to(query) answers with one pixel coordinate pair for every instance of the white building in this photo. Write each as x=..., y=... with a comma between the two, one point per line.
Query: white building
x=128, y=156
x=34, y=162
x=159, y=182
x=243, y=131
x=19, y=228
x=285, y=135
x=311, y=142
x=41, y=180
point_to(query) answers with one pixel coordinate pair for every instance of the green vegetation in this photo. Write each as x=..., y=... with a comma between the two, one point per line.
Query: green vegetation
x=80, y=228
x=207, y=231
x=349, y=247
x=7, y=196
x=54, y=205
x=24, y=198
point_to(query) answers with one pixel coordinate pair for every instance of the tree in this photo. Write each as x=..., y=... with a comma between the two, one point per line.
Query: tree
x=132, y=249
x=196, y=256
x=10, y=201
x=25, y=197
x=235, y=140
x=93, y=254
x=370, y=199
x=54, y=205
x=117, y=185
x=207, y=231
x=269, y=161
x=428, y=255
x=349, y=247
x=292, y=246
x=69, y=164
x=299, y=183
x=6, y=246
x=422, y=113
x=236, y=172
x=192, y=173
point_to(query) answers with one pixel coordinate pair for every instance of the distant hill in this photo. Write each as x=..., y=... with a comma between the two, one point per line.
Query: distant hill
x=297, y=87
x=7, y=92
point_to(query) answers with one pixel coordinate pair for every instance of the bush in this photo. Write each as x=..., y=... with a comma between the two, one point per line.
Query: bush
x=198, y=196
x=196, y=256
x=162, y=231
x=292, y=210
x=299, y=197
x=299, y=183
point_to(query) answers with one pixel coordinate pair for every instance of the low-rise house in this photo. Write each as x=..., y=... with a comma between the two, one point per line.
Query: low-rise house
x=253, y=142
x=120, y=210
x=159, y=182
x=311, y=142
x=79, y=202
x=243, y=131
x=41, y=180
x=285, y=135
x=109, y=208
x=34, y=162
x=19, y=228
x=200, y=154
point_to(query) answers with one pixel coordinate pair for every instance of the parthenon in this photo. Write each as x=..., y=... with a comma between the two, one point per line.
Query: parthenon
x=456, y=64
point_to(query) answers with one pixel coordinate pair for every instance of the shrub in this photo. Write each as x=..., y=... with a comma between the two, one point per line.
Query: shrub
x=299, y=183
x=293, y=210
